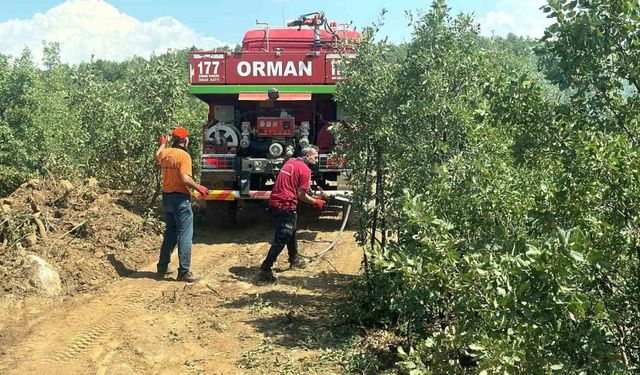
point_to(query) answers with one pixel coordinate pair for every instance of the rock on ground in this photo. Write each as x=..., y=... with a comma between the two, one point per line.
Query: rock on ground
x=44, y=277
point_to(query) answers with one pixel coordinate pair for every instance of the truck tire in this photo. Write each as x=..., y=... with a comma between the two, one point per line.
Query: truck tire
x=222, y=213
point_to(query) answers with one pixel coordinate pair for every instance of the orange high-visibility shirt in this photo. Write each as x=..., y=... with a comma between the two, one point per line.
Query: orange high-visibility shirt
x=174, y=162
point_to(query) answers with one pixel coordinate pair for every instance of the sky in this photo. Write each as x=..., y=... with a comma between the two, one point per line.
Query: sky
x=120, y=29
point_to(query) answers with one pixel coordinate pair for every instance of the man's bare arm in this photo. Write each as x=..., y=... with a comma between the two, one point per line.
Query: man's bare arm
x=188, y=181
x=160, y=148
x=304, y=197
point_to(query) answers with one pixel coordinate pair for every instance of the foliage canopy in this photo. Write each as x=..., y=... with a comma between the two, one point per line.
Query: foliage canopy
x=99, y=119
x=500, y=208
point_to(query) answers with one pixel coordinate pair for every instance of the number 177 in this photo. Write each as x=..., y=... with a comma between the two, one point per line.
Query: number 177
x=204, y=67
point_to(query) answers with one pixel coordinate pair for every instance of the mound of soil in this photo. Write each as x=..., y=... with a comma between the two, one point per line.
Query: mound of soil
x=89, y=234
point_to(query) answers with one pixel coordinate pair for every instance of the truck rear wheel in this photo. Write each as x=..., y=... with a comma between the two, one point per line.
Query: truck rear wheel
x=222, y=213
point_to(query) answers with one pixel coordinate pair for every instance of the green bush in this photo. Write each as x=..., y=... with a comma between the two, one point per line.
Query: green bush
x=98, y=119
x=500, y=214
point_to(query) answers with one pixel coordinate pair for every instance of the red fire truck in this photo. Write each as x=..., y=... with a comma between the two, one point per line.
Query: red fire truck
x=267, y=101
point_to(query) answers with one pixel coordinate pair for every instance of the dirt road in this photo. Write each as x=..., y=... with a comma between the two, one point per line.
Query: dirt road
x=225, y=324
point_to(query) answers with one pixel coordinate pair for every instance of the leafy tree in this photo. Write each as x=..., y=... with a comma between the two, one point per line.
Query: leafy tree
x=508, y=242
x=98, y=119
x=16, y=80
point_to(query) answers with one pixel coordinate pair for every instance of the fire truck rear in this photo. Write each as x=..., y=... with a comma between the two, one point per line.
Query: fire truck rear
x=266, y=102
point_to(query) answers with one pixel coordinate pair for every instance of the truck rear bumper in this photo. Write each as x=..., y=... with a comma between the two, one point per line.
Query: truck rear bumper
x=232, y=195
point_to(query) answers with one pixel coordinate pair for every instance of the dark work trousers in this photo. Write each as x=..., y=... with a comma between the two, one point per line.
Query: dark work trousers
x=285, y=235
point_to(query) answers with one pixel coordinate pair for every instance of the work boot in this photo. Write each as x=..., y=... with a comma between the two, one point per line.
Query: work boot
x=168, y=271
x=188, y=277
x=298, y=262
x=267, y=275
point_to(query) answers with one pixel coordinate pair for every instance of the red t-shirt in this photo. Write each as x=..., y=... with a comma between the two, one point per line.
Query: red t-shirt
x=294, y=175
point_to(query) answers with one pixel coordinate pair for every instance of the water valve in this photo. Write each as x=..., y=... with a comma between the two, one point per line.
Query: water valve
x=275, y=149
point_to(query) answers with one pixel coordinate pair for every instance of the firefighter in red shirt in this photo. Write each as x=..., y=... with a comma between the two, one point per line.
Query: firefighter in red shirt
x=292, y=184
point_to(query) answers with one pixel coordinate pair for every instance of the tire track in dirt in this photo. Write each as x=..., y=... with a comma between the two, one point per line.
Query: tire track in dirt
x=96, y=333
x=71, y=336
x=72, y=331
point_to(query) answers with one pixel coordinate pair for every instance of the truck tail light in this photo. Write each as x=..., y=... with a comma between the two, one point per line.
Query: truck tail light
x=335, y=163
x=218, y=161
x=329, y=162
x=213, y=162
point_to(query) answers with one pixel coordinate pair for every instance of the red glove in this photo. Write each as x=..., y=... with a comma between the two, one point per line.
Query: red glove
x=162, y=140
x=319, y=203
x=203, y=191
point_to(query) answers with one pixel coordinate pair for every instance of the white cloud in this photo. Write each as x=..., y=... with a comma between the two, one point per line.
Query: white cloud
x=94, y=27
x=521, y=17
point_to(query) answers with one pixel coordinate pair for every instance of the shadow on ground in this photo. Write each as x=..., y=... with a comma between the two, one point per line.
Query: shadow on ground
x=305, y=318
x=124, y=271
x=323, y=282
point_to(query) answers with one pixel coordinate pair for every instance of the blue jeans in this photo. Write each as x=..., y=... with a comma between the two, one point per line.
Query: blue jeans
x=178, y=230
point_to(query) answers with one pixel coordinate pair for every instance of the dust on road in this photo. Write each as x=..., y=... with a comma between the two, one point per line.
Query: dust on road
x=225, y=324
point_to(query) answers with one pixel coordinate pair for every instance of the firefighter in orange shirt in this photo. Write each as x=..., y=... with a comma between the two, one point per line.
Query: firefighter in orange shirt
x=176, y=201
